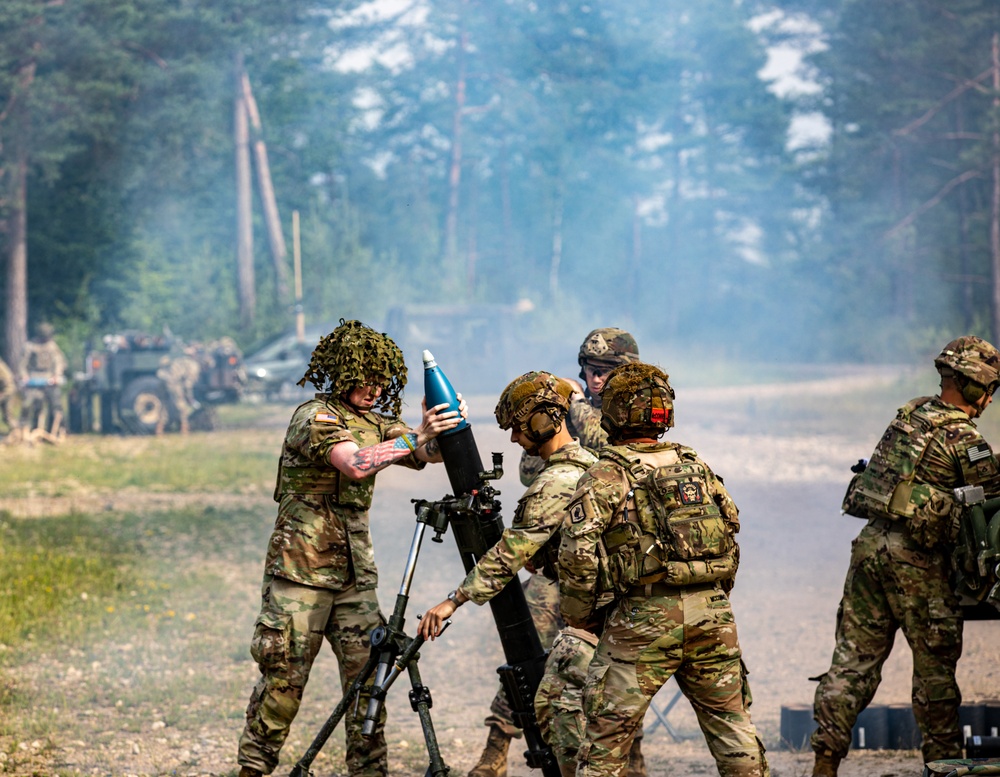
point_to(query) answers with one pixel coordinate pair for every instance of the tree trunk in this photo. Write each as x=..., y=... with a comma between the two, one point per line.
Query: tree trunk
x=245, y=291
x=276, y=238
x=16, y=318
x=450, y=264
x=557, y=240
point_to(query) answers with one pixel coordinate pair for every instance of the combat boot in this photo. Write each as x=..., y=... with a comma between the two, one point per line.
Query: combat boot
x=493, y=761
x=826, y=764
x=636, y=763
x=246, y=771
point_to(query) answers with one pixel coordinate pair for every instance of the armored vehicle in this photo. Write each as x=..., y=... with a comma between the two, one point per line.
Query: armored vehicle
x=118, y=390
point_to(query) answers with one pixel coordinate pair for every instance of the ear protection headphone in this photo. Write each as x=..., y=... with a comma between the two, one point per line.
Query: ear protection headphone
x=972, y=392
x=541, y=426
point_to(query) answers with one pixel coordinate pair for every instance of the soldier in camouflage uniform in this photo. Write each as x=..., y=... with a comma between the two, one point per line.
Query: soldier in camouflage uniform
x=319, y=574
x=601, y=351
x=8, y=391
x=42, y=372
x=534, y=407
x=654, y=525
x=899, y=572
x=179, y=374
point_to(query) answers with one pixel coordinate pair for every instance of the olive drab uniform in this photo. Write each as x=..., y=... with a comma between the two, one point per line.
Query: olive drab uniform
x=652, y=523
x=532, y=536
x=319, y=580
x=899, y=575
x=8, y=391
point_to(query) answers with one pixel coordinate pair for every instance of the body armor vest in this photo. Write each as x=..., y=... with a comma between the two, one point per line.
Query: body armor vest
x=668, y=528
x=343, y=491
x=886, y=489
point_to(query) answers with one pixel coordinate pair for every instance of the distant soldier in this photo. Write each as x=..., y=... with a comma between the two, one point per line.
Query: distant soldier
x=179, y=374
x=8, y=391
x=42, y=372
x=901, y=560
x=654, y=524
x=600, y=352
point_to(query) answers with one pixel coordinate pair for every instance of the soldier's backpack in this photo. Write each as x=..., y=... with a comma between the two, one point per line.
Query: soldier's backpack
x=669, y=527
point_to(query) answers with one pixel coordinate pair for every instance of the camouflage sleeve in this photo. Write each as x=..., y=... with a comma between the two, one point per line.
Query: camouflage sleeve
x=958, y=455
x=581, y=548
x=722, y=498
x=538, y=516
x=585, y=425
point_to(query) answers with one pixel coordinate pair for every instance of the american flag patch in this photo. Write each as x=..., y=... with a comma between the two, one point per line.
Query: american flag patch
x=981, y=451
x=326, y=418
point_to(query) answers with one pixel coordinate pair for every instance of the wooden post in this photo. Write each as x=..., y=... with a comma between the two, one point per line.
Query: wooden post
x=275, y=236
x=300, y=316
x=245, y=291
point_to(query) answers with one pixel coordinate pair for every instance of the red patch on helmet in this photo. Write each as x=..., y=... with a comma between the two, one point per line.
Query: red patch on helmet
x=660, y=415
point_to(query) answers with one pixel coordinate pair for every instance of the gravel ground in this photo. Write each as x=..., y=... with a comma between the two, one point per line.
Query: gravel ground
x=168, y=699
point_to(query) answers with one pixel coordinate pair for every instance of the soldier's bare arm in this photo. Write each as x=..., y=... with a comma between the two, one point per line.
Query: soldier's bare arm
x=359, y=463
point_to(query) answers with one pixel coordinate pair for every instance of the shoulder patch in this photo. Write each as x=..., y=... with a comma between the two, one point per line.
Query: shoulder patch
x=978, y=452
x=577, y=513
x=326, y=418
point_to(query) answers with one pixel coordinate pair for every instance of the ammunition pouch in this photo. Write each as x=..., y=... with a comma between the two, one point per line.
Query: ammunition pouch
x=343, y=490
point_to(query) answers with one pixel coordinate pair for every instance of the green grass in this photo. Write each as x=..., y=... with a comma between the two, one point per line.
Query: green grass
x=240, y=462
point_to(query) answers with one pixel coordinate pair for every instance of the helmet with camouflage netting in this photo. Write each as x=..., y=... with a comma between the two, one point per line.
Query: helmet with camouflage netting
x=355, y=355
x=537, y=402
x=637, y=401
x=973, y=362
x=607, y=347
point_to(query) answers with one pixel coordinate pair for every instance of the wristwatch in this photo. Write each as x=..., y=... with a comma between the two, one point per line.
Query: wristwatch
x=453, y=598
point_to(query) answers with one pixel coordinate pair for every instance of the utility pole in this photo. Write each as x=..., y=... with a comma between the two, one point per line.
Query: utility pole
x=245, y=289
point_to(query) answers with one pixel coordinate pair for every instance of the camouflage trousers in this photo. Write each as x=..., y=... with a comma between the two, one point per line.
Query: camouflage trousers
x=893, y=583
x=289, y=632
x=542, y=596
x=690, y=635
x=559, y=700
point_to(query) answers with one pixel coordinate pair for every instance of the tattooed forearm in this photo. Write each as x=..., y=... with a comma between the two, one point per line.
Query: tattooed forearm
x=374, y=457
x=432, y=448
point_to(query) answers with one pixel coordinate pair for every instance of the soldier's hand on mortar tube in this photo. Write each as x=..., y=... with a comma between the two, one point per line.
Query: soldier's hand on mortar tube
x=430, y=623
x=435, y=421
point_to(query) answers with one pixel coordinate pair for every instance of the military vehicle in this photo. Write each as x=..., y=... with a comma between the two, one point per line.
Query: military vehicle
x=118, y=391
x=976, y=560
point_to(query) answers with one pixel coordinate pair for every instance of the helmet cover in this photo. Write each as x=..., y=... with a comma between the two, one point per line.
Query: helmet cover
x=531, y=393
x=638, y=398
x=971, y=357
x=608, y=347
x=355, y=355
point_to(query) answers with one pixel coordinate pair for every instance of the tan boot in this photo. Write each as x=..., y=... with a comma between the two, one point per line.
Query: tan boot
x=826, y=764
x=493, y=761
x=636, y=763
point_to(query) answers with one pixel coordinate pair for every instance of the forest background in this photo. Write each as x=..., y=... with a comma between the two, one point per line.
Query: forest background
x=796, y=180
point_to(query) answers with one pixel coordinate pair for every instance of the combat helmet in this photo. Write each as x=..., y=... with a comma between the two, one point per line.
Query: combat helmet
x=537, y=402
x=607, y=347
x=974, y=363
x=637, y=401
x=354, y=355
x=45, y=331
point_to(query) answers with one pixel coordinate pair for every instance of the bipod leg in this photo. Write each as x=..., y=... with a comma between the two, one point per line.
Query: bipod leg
x=420, y=700
x=301, y=768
